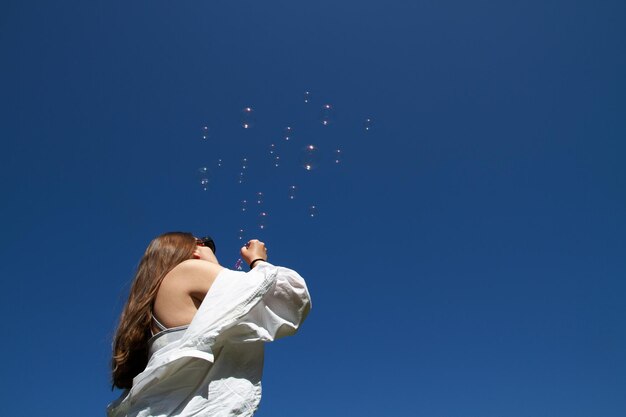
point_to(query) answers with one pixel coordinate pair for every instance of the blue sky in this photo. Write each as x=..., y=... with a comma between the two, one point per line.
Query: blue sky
x=468, y=256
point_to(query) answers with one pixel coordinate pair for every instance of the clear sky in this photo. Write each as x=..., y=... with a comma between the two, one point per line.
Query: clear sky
x=468, y=257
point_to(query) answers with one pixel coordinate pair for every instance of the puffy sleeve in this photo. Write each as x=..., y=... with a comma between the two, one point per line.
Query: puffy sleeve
x=265, y=304
x=278, y=313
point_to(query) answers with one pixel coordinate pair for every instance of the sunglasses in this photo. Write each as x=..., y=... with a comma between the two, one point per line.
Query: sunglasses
x=206, y=241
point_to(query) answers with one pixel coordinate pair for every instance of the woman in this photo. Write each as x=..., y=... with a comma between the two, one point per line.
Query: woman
x=190, y=338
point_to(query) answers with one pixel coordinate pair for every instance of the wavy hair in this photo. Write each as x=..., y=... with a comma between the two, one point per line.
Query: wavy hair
x=130, y=344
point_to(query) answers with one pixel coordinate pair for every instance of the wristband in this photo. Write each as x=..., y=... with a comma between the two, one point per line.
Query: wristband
x=256, y=260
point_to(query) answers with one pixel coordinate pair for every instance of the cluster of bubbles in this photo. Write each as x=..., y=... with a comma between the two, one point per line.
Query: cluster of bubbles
x=326, y=114
x=287, y=133
x=308, y=161
x=310, y=157
x=242, y=171
x=247, y=119
x=203, y=173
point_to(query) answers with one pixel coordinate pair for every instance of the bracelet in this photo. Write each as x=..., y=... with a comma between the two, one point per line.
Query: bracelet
x=256, y=260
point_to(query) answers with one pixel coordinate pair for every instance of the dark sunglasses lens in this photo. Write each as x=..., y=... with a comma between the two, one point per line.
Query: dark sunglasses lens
x=207, y=241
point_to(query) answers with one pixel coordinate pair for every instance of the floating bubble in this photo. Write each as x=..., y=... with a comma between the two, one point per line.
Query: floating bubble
x=244, y=163
x=205, y=132
x=277, y=161
x=287, y=133
x=203, y=171
x=241, y=234
x=367, y=125
x=307, y=96
x=292, y=192
x=259, y=197
x=326, y=114
x=204, y=182
x=247, y=118
x=244, y=205
x=242, y=177
x=337, y=154
x=219, y=162
x=313, y=210
x=272, y=149
x=310, y=157
x=262, y=220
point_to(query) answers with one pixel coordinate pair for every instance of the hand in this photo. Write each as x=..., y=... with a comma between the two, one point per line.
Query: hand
x=254, y=249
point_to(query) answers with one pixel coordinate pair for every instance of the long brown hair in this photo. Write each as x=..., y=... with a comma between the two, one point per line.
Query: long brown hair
x=130, y=345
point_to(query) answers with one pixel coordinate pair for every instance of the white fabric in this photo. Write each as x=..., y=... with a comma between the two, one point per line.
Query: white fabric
x=215, y=368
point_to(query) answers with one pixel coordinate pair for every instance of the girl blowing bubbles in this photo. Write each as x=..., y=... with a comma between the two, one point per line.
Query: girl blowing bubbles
x=190, y=338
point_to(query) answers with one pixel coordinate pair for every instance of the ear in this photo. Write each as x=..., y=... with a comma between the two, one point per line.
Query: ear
x=196, y=254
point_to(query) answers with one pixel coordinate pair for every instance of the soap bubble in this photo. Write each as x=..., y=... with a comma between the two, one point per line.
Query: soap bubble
x=313, y=210
x=287, y=133
x=262, y=220
x=203, y=171
x=204, y=182
x=307, y=96
x=277, y=161
x=219, y=162
x=247, y=118
x=310, y=157
x=259, y=197
x=272, y=149
x=292, y=192
x=337, y=154
x=326, y=114
x=241, y=234
x=244, y=163
x=205, y=132
x=244, y=205
x=367, y=125
x=242, y=177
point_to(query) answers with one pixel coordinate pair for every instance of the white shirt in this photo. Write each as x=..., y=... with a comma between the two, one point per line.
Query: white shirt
x=215, y=368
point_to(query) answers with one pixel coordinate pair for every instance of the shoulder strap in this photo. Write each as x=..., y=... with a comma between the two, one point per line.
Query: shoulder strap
x=157, y=323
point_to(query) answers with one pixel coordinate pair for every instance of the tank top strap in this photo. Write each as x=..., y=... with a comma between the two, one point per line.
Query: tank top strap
x=157, y=323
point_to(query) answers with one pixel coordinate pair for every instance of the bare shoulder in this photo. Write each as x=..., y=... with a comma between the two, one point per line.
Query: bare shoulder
x=194, y=276
x=191, y=266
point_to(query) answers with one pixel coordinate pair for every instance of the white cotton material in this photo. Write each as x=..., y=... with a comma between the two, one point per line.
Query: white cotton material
x=215, y=368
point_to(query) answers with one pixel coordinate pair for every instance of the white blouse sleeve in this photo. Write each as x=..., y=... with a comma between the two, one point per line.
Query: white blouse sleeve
x=278, y=313
x=265, y=304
